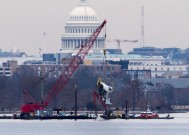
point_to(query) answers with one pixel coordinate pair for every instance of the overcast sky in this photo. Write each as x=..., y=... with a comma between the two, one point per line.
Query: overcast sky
x=23, y=22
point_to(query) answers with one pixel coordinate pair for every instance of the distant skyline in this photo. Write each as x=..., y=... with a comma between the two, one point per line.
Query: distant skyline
x=23, y=23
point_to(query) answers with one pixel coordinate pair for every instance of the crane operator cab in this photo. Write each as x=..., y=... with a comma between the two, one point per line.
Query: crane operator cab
x=104, y=91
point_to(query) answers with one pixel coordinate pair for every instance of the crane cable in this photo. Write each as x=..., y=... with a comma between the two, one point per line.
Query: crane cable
x=104, y=50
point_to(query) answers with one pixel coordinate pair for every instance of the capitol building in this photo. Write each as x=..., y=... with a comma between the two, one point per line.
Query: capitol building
x=82, y=22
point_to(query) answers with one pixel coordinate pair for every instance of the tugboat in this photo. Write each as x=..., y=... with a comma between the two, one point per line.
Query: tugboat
x=148, y=114
x=151, y=115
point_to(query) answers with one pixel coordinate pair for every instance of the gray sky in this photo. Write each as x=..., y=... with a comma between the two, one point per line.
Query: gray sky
x=23, y=22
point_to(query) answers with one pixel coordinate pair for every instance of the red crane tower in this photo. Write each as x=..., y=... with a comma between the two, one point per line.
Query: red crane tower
x=66, y=75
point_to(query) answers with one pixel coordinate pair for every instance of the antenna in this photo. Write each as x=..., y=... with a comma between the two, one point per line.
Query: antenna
x=142, y=27
x=44, y=43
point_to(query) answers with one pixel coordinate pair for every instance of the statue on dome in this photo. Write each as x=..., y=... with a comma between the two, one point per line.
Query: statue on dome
x=82, y=0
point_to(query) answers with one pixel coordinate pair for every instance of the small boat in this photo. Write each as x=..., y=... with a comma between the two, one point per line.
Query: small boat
x=151, y=115
x=148, y=114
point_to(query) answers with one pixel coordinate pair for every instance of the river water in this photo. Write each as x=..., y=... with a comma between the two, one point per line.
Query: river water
x=177, y=126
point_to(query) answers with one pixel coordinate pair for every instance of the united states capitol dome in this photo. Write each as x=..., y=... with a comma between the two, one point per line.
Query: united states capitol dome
x=83, y=12
x=81, y=24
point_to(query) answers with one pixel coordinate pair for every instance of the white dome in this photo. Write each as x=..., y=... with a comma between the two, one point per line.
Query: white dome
x=83, y=12
x=82, y=23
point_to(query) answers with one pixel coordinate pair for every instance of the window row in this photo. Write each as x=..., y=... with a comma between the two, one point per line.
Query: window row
x=140, y=63
x=80, y=31
x=83, y=17
x=48, y=68
x=158, y=68
x=6, y=69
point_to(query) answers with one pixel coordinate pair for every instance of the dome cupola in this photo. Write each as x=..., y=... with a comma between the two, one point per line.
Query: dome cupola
x=83, y=12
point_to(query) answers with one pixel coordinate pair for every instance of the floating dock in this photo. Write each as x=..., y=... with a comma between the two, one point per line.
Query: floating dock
x=76, y=117
x=114, y=117
x=48, y=117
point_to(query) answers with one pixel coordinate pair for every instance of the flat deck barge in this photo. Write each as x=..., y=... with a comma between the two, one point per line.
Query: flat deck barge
x=127, y=118
x=48, y=117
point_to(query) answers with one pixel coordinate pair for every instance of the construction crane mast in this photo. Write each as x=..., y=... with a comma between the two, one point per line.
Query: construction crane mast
x=66, y=75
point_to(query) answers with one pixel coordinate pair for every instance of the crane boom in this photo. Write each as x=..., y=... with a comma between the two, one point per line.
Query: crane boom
x=67, y=73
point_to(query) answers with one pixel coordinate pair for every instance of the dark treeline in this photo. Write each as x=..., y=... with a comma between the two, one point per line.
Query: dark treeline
x=161, y=97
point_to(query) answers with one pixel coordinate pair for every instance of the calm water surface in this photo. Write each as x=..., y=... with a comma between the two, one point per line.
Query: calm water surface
x=178, y=126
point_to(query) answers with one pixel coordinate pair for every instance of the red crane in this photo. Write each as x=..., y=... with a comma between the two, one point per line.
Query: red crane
x=66, y=75
x=97, y=96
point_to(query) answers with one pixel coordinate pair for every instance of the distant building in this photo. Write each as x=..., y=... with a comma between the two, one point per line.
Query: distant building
x=83, y=21
x=156, y=64
x=172, y=50
x=163, y=71
x=114, y=51
x=123, y=63
x=48, y=57
x=8, y=68
x=139, y=74
x=133, y=59
x=56, y=70
x=149, y=51
x=16, y=53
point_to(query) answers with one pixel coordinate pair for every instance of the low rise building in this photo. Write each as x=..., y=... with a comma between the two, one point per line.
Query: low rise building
x=163, y=71
x=8, y=68
x=54, y=70
x=139, y=74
